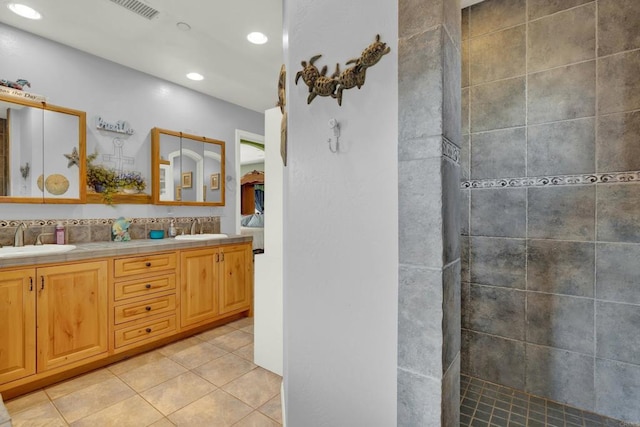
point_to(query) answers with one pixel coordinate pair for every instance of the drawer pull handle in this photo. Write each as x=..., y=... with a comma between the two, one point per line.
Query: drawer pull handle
x=148, y=264
x=42, y=282
x=30, y=284
x=147, y=308
x=148, y=330
x=148, y=286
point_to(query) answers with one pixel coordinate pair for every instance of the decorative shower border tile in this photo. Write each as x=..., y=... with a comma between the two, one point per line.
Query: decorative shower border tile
x=450, y=150
x=549, y=181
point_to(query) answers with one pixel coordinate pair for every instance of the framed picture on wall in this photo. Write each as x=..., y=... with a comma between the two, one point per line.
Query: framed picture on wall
x=215, y=181
x=186, y=179
x=178, y=194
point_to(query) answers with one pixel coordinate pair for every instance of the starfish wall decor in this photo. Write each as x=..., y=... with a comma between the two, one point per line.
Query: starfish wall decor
x=74, y=158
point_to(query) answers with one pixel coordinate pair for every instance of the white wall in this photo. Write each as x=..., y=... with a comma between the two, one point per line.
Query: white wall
x=341, y=223
x=268, y=327
x=74, y=79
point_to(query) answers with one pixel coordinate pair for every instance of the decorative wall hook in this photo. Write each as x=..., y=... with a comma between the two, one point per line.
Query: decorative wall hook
x=335, y=127
x=321, y=85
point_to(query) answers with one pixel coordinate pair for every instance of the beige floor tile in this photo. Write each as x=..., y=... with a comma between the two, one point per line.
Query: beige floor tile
x=232, y=341
x=178, y=392
x=40, y=414
x=245, y=352
x=152, y=374
x=132, y=412
x=256, y=387
x=78, y=383
x=224, y=369
x=256, y=419
x=176, y=347
x=241, y=323
x=163, y=423
x=135, y=362
x=197, y=355
x=273, y=408
x=215, y=333
x=97, y=397
x=213, y=410
x=26, y=402
x=247, y=329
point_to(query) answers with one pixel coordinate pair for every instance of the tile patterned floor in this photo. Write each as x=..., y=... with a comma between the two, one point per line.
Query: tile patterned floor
x=205, y=380
x=483, y=404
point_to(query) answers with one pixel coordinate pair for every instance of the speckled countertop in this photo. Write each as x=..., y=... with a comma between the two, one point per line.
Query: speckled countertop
x=85, y=251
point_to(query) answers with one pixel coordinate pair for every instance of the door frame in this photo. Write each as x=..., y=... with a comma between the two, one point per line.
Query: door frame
x=249, y=136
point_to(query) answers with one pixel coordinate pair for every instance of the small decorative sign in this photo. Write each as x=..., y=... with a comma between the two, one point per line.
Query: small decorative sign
x=120, y=126
x=21, y=94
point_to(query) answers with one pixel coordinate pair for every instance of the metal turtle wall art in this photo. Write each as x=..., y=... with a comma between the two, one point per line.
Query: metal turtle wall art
x=321, y=85
x=309, y=72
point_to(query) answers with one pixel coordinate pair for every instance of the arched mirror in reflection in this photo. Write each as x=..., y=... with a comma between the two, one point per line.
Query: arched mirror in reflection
x=187, y=169
x=42, y=151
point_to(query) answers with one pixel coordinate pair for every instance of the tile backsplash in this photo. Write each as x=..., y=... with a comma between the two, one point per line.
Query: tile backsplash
x=99, y=229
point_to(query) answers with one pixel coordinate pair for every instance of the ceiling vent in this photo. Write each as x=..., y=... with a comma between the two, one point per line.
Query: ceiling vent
x=138, y=7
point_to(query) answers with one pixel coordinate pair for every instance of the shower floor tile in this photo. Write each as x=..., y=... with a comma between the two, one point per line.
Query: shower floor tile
x=484, y=404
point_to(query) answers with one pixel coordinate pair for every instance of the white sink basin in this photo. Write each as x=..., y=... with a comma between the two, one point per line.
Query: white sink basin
x=200, y=236
x=31, y=250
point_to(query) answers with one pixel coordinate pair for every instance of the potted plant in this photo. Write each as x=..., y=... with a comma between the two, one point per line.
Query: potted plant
x=102, y=179
x=131, y=182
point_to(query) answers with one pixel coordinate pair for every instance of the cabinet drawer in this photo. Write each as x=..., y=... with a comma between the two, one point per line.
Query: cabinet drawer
x=144, y=309
x=144, y=264
x=144, y=331
x=144, y=286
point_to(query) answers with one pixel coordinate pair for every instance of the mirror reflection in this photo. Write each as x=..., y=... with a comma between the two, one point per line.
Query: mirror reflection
x=187, y=169
x=41, y=152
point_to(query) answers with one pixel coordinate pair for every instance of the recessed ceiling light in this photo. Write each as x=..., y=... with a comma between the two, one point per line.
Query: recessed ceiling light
x=24, y=11
x=257, y=38
x=195, y=76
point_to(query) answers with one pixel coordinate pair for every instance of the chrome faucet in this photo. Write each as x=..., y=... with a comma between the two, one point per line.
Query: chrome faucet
x=18, y=238
x=194, y=225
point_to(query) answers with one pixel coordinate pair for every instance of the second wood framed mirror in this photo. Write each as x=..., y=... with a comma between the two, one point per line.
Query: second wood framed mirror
x=186, y=169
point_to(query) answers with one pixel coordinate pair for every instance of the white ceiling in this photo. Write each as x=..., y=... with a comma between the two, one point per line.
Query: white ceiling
x=250, y=154
x=216, y=46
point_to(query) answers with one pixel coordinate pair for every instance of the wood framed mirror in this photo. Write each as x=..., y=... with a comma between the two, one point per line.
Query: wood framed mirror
x=42, y=152
x=186, y=169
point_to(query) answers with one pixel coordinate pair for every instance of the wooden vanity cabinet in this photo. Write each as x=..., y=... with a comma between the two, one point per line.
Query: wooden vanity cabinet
x=199, y=300
x=61, y=320
x=18, y=317
x=72, y=313
x=69, y=306
x=236, y=277
x=144, y=299
x=215, y=282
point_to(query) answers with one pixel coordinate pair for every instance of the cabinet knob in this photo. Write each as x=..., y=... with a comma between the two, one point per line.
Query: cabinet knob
x=148, y=286
x=148, y=330
x=148, y=264
x=147, y=308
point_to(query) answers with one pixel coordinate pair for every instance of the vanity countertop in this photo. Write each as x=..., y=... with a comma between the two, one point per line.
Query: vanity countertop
x=86, y=251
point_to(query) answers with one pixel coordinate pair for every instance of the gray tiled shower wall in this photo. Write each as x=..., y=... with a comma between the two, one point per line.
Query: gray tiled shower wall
x=429, y=254
x=550, y=272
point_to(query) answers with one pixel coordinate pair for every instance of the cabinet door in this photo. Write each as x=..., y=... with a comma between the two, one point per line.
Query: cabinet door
x=18, y=317
x=236, y=277
x=199, y=291
x=72, y=313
